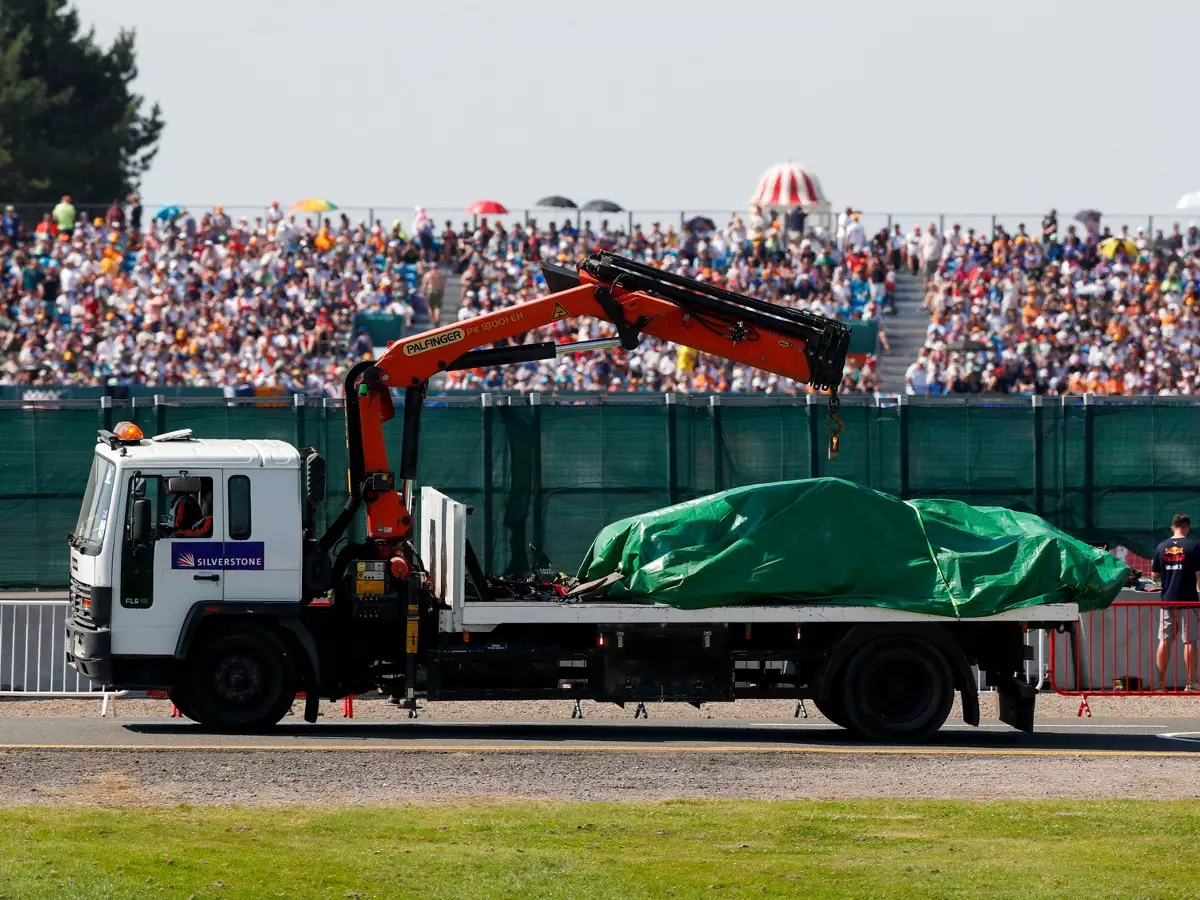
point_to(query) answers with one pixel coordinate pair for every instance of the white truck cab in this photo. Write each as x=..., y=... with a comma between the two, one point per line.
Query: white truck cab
x=171, y=526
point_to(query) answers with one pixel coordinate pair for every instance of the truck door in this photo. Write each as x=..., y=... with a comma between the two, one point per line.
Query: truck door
x=263, y=539
x=181, y=564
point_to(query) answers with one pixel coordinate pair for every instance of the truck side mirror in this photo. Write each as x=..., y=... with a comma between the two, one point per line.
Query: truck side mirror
x=141, y=522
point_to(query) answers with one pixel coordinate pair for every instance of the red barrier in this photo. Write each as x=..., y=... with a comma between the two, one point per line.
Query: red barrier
x=1118, y=652
x=162, y=695
x=347, y=704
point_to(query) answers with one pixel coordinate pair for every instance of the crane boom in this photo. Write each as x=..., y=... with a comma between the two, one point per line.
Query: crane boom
x=637, y=299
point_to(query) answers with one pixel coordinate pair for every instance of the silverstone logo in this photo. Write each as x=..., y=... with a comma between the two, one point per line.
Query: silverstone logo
x=453, y=336
x=238, y=556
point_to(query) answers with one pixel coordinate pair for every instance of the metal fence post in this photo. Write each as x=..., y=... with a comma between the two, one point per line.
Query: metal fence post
x=160, y=414
x=535, y=480
x=298, y=405
x=814, y=431
x=718, y=443
x=486, y=402
x=1039, y=465
x=672, y=401
x=902, y=417
x=106, y=413
x=1089, y=461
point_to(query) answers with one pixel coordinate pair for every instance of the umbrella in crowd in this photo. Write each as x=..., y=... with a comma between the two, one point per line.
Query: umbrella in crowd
x=601, y=206
x=487, y=208
x=1089, y=217
x=1110, y=247
x=787, y=185
x=556, y=202
x=313, y=204
x=1189, y=201
x=169, y=213
x=701, y=223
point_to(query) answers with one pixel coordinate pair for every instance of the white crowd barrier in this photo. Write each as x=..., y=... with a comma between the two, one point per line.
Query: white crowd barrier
x=33, y=660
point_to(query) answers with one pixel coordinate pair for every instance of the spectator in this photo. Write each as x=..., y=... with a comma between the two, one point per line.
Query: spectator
x=912, y=249
x=114, y=219
x=1176, y=564
x=10, y=226
x=64, y=215
x=433, y=288
x=135, y=212
x=931, y=251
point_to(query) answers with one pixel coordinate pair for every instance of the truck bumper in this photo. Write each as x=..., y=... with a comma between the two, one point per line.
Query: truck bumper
x=89, y=652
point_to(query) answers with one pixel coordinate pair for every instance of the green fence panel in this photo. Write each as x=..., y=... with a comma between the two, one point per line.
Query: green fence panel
x=864, y=337
x=380, y=328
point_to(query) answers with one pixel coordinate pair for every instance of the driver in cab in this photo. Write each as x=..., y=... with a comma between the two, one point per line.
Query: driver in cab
x=190, y=512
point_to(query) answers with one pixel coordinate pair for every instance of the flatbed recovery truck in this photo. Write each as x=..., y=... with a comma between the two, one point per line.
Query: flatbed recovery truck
x=197, y=567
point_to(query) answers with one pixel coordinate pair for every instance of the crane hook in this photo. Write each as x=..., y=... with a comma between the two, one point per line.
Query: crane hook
x=835, y=424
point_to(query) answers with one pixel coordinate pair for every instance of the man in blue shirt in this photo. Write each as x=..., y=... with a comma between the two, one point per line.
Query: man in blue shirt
x=10, y=225
x=1176, y=565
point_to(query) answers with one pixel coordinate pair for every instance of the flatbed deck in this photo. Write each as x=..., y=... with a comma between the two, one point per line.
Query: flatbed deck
x=504, y=612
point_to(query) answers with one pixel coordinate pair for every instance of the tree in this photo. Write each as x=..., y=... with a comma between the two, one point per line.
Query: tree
x=69, y=123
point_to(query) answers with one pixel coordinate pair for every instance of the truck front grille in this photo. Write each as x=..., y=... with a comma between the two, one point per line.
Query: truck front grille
x=78, y=592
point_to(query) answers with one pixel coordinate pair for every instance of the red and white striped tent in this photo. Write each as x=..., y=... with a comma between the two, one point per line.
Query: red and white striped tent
x=787, y=185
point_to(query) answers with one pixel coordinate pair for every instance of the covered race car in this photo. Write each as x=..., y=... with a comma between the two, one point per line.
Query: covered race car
x=833, y=541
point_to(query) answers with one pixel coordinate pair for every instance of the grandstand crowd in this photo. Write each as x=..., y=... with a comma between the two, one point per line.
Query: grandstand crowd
x=1069, y=310
x=119, y=297
x=203, y=300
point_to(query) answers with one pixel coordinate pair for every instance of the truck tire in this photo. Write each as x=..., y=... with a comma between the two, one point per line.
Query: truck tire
x=241, y=681
x=898, y=690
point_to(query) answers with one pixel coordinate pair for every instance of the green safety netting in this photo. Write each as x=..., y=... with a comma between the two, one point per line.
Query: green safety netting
x=554, y=474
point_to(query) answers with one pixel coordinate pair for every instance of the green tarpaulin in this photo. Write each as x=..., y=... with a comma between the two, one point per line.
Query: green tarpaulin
x=829, y=540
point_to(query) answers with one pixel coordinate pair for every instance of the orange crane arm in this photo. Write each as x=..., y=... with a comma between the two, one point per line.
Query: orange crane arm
x=637, y=299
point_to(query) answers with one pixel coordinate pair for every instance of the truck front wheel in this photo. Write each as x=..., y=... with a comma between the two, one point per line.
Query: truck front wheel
x=898, y=690
x=241, y=681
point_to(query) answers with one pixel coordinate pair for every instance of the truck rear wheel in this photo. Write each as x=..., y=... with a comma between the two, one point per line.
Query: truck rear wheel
x=898, y=690
x=241, y=681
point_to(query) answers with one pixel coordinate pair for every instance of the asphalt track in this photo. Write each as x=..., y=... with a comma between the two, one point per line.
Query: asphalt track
x=147, y=761
x=1061, y=737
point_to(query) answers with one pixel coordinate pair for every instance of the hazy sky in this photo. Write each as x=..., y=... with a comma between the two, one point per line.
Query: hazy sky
x=900, y=106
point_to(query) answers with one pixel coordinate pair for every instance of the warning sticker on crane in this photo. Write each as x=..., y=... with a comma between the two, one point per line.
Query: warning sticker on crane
x=560, y=312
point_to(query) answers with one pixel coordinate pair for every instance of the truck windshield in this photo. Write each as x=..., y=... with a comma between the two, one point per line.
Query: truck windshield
x=94, y=514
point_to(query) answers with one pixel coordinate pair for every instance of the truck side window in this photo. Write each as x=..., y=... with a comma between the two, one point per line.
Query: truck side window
x=239, y=507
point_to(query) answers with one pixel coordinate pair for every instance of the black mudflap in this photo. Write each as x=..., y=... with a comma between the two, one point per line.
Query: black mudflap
x=1017, y=698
